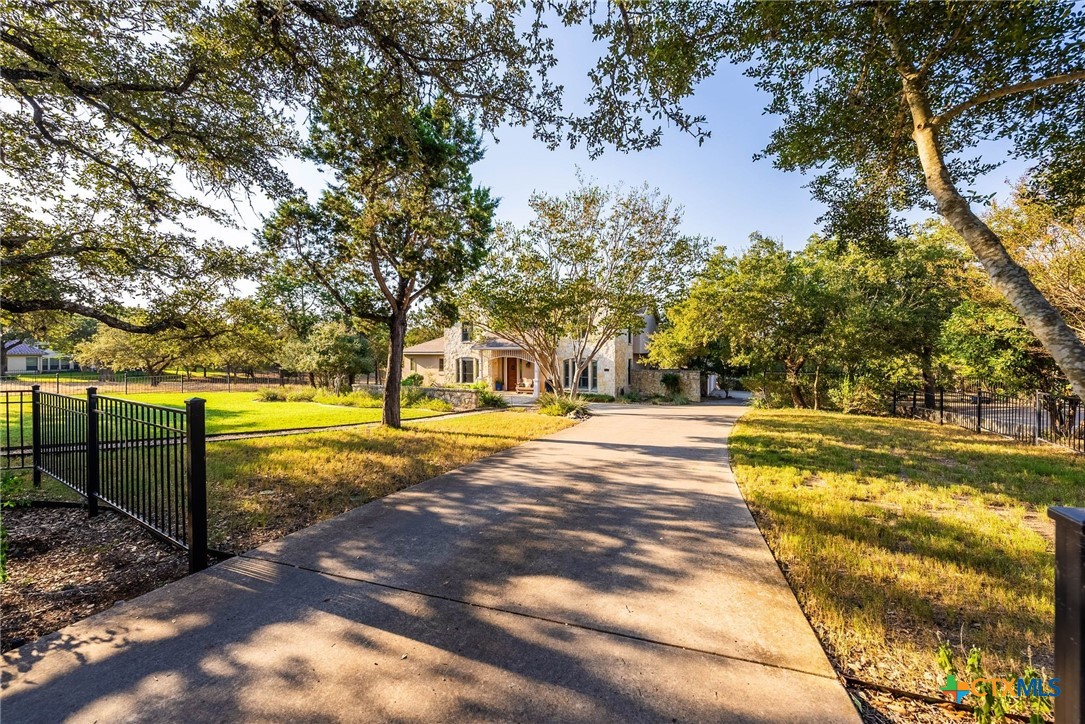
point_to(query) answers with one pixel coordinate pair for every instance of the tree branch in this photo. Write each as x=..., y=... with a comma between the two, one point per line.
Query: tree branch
x=1027, y=86
x=25, y=306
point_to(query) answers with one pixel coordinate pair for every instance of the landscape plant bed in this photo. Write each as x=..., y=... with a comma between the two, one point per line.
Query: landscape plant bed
x=64, y=566
x=897, y=535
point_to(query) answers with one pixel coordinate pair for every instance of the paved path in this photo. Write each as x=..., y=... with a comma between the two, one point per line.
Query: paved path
x=610, y=572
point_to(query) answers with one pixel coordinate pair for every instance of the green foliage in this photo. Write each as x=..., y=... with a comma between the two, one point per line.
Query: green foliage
x=862, y=394
x=355, y=398
x=413, y=380
x=596, y=397
x=402, y=223
x=993, y=702
x=11, y=491
x=587, y=267
x=672, y=398
x=561, y=406
x=271, y=394
x=301, y=394
x=331, y=352
x=487, y=398
x=671, y=382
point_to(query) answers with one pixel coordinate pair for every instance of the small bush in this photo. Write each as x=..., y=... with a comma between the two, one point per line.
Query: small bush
x=357, y=398
x=411, y=396
x=486, y=398
x=672, y=399
x=671, y=382
x=858, y=396
x=630, y=397
x=550, y=404
x=271, y=394
x=300, y=394
x=432, y=403
x=414, y=380
x=596, y=397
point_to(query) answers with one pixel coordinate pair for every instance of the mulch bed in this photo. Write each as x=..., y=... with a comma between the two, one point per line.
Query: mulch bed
x=64, y=566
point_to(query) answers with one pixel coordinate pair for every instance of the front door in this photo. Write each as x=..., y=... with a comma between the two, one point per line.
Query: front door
x=511, y=380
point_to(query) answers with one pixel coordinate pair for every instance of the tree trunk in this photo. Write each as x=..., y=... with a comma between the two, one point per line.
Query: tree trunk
x=817, y=376
x=1008, y=277
x=930, y=400
x=795, y=384
x=312, y=379
x=397, y=331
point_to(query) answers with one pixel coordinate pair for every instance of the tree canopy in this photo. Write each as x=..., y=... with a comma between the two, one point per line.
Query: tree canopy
x=402, y=223
x=590, y=265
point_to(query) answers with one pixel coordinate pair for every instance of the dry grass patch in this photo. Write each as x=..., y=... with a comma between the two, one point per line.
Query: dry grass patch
x=263, y=488
x=896, y=534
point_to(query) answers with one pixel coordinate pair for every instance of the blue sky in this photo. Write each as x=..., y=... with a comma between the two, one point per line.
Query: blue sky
x=725, y=193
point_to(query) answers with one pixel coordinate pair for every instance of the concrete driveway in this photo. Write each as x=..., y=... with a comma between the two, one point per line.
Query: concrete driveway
x=610, y=572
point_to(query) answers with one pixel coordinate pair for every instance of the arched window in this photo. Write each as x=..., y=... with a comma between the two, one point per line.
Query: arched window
x=589, y=376
x=466, y=370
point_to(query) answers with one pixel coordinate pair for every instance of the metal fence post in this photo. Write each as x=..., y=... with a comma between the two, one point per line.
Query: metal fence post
x=229, y=382
x=126, y=383
x=1039, y=418
x=57, y=378
x=182, y=383
x=893, y=404
x=979, y=410
x=35, y=434
x=92, y=451
x=941, y=405
x=1069, y=613
x=196, y=462
x=914, y=399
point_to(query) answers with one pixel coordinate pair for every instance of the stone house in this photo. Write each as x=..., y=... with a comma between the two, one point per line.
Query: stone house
x=463, y=355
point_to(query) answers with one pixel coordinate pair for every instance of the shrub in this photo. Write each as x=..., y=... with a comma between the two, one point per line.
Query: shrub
x=300, y=394
x=671, y=382
x=413, y=380
x=432, y=403
x=486, y=398
x=630, y=397
x=411, y=396
x=857, y=396
x=270, y=394
x=550, y=404
x=357, y=398
x=596, y=397
x=672, y=399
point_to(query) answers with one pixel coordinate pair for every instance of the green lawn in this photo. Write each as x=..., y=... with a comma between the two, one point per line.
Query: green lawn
x=896, y=534
x=263, y=488
x=241, y=412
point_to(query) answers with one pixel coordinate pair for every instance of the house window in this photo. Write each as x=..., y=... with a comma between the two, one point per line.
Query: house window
x=466, y=332
x=31, y=364
x=440, y=364
x=629, y=371
x=413, y=365
x=589, y=376
x=466, y=369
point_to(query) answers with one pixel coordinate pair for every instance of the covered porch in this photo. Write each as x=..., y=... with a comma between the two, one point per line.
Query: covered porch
x=508, y=368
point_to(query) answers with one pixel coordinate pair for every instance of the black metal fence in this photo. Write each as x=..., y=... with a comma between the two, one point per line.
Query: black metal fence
x=130, y=383
x=145, y=461
x=1036, y=418
x=18, y=433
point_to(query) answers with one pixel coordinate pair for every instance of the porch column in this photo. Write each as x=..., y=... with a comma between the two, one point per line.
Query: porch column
x=535, y=387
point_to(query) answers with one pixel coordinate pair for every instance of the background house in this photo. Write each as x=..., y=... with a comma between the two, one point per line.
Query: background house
x=22, y=356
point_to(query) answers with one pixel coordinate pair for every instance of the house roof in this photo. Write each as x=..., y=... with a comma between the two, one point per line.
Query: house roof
x=433, y=346
x=22, y=349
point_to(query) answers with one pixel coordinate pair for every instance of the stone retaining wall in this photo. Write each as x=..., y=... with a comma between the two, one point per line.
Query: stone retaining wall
x=649, y=382
x=459, y=398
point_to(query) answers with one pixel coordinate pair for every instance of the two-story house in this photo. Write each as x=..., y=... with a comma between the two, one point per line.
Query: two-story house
x=463, y=356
